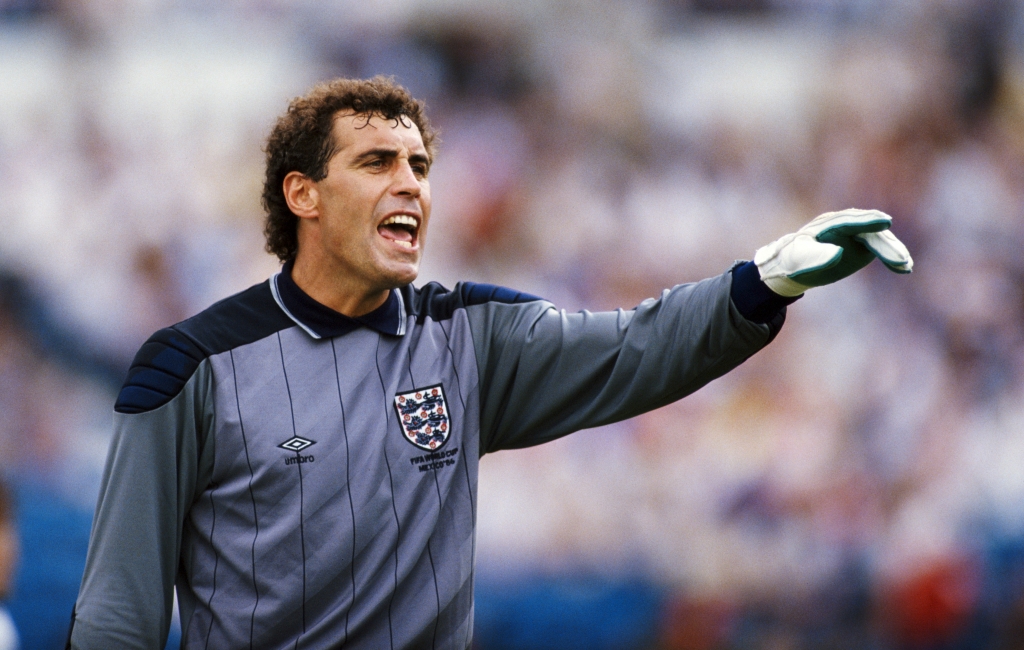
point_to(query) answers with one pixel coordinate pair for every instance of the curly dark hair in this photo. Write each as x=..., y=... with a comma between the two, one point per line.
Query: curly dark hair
x=301, y=141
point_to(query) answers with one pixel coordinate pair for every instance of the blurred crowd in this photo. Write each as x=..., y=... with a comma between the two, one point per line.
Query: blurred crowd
x=858, y=484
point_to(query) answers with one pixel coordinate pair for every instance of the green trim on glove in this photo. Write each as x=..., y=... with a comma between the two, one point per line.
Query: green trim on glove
x=829, y=248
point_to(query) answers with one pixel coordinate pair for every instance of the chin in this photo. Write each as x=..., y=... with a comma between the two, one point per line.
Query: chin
x=400, y=277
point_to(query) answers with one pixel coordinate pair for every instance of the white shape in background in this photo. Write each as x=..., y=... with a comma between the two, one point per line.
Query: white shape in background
x=755, y=76
x=9, y=639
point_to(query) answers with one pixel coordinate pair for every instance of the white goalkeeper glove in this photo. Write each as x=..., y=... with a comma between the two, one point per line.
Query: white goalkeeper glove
x=833, y=246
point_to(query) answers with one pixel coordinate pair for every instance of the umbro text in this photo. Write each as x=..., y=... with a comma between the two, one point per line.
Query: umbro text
x=298, y=460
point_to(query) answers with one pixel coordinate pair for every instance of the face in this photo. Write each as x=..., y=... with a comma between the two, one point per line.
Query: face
x=373, y=206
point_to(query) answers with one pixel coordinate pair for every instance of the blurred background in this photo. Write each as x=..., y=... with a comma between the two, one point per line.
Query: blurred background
x=858, y=484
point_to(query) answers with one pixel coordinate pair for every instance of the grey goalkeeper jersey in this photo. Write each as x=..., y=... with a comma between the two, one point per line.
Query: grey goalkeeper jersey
x=308, y=480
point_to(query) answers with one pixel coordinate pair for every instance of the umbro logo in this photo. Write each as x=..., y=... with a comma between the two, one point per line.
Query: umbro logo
x=297, y=444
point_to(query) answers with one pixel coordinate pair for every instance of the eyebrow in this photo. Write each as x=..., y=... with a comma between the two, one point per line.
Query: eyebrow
x=379, y=152
x=384, y=152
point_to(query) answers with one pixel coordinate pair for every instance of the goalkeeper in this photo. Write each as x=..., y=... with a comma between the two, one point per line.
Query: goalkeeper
x=299, y=461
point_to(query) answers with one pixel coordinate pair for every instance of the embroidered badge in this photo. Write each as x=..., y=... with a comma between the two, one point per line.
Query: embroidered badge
x=423, y=414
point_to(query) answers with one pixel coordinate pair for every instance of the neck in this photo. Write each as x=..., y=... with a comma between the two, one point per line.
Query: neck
x=335, y=290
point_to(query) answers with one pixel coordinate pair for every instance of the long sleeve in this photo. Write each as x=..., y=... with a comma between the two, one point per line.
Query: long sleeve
x=545, y=373
x=152, y=475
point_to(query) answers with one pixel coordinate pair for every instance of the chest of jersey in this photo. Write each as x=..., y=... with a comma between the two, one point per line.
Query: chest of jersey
x=337, y=463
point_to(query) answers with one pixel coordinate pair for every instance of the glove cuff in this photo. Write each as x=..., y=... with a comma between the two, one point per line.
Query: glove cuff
x=785, y=287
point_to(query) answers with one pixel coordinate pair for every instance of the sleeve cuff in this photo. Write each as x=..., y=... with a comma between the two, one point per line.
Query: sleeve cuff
x=752, y=297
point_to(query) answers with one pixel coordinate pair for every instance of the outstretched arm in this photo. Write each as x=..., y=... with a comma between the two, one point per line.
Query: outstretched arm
x=545, y=373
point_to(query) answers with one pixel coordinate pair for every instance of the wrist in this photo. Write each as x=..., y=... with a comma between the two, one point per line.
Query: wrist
x=754, y=299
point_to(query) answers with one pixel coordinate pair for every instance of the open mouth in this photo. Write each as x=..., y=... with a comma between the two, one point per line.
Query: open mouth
x=401, y=229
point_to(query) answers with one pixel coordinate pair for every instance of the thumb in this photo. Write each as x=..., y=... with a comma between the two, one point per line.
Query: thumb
x=888, y=248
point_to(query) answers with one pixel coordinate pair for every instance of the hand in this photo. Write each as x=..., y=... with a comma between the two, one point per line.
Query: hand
x=833, y=246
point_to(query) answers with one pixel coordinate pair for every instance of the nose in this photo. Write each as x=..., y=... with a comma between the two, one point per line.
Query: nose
x=406, y=183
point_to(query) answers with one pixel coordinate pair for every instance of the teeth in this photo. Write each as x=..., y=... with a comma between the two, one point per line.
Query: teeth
x=401, y=220
x=407, y=244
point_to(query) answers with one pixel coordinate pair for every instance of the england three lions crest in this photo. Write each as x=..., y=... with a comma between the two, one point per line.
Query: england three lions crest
x=423, y=414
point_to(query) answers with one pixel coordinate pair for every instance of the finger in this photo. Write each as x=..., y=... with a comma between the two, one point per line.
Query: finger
x=833, y=226
x=888, y=248
x=853, y=257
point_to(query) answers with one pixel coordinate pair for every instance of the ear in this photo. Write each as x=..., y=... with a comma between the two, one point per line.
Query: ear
x=302, y=195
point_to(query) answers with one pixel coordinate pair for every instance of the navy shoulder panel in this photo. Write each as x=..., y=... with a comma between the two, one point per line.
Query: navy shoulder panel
x=242, y=318
x=162, y=367
x=170, y=357
x=477, y=294
x=439, y=303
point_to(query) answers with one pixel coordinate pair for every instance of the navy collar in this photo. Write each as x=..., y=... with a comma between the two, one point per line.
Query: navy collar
x=320, y=321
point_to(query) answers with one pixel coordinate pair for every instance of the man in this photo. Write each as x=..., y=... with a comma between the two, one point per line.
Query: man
x=300, y=459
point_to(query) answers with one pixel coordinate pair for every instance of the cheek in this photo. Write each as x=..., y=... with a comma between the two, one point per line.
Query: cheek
x=425, y=203
x=344, y=222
